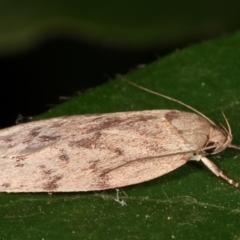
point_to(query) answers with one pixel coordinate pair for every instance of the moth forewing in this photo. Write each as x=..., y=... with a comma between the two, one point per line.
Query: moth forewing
x=85, y=153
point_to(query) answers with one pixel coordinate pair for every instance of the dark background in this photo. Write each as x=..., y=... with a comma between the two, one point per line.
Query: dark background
x=72, y=66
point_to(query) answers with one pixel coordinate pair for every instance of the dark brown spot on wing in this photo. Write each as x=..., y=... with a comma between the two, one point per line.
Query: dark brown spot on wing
x=19, y=165
x=171, y=115
x=34, y=132
x=93, y=165
x=64, y=157
x=52, y=183
x=47, y=172
x=118, y=151
x=102, y=182
x=7, y=185
x=50, y=177
x=20, y=161
x=42, y=166
x=85, y=142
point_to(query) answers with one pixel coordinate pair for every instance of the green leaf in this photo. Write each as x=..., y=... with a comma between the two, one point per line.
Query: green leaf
x=125, y=23
x=188, y=203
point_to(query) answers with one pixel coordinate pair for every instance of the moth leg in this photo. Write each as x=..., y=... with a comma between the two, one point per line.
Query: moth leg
x=117, y=199
x=217, y=171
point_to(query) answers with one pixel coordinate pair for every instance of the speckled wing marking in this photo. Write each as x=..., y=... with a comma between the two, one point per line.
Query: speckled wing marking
x=96, y=152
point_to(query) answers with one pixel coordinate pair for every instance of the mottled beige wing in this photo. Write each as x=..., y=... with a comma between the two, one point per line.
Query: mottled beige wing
x=30, y=137
x=96, y=152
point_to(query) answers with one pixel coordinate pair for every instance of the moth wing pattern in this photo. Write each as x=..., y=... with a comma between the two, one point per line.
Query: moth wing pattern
x=34, y=136
x=96, y=152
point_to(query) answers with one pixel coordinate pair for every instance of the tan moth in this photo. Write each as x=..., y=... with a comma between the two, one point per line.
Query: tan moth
x=104, y=151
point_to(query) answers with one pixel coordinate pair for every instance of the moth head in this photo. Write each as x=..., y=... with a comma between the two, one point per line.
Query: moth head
x=219, y=139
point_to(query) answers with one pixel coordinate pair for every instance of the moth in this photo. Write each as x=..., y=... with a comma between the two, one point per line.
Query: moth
x=105, y=151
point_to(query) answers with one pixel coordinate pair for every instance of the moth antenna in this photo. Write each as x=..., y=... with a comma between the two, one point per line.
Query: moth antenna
x=169, y=98
x=228, y=131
